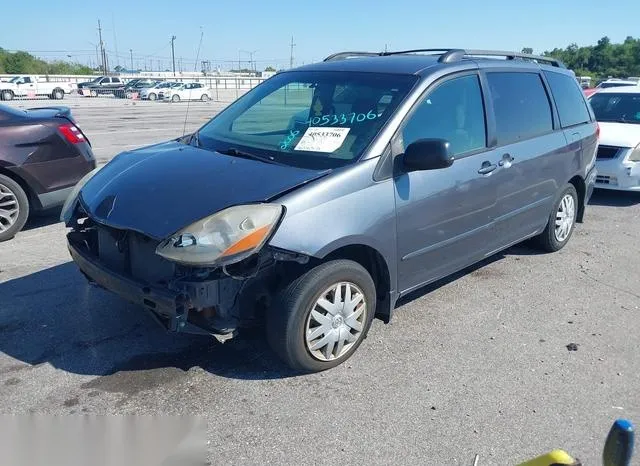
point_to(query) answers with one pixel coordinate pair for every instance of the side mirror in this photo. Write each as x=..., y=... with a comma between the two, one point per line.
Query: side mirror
x=427, y=154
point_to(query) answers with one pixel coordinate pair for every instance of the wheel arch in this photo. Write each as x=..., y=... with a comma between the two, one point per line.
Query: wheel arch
x=581, y=188
x=34, y=203
x=374, y=263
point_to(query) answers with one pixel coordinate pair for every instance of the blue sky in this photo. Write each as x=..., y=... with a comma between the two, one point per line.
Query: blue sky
x=319, y=27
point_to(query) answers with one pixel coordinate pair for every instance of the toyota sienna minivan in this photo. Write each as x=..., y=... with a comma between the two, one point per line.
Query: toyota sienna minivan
x=317, y=199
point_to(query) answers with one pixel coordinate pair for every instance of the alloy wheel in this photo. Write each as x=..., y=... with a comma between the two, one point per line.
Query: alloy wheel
x=9, y=208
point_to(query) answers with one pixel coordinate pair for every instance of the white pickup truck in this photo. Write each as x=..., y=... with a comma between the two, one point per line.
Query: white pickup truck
x=32, y=86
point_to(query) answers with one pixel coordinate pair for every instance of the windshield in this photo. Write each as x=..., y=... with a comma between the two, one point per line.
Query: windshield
x=13, y=80
x=618, y=107
x=313, y=119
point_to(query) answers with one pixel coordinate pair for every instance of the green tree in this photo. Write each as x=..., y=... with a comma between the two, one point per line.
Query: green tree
x=527, y=50
x=269, y=68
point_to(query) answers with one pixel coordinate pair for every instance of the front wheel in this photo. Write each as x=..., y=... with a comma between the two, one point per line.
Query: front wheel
x=562, y=221
x=318, y=321
x=93, y=93
x=152, y=96
x=7, y=95
x=57, y=94
x=204, y=98
x=175, y=98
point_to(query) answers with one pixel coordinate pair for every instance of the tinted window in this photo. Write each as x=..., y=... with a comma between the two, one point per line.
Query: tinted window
x=614, y=84
x=521, y=106
x=453, y=111
x=569, y=99
x=27, y=80
x=618, y=107
x=115, y=80
x=106, y=81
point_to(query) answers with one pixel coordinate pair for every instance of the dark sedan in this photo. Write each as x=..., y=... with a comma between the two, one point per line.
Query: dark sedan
x=43, y=154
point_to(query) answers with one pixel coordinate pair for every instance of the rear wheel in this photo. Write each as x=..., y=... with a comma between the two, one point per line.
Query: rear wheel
x=152, y=96
x=57, y=94
x=7, y=95
x=14, y=208
x=204, y=97
x=561, y=222
x=318, y=321
x=175, y=98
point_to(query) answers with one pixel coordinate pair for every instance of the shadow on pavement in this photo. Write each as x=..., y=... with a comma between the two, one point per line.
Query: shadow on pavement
x=43, y=219
x=610, y=198
x=54, y=316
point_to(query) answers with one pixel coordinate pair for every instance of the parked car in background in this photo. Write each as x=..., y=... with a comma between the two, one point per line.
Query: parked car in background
x=106, y=85
x=97, y=80
x=126, y=91
x=617, y=110
x=32, y=86
x=152, y=92
x=186, y=91
x=394, y=180
x=43, y=154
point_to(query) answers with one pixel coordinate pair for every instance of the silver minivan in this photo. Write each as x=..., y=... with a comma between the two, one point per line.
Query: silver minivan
x=317, y=199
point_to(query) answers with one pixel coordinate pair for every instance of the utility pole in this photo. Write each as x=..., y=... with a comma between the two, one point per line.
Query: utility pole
x=239, y=61
x=291, y=56
x=102, y=52
x=131, y=53
x=173, y=54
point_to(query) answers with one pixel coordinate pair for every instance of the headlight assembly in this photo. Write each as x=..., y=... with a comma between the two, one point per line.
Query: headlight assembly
x=69, y=204
x=223, y=238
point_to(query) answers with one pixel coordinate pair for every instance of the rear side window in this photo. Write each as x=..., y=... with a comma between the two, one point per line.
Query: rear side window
x=569, y=99
x=115, y=80
x=521, y=106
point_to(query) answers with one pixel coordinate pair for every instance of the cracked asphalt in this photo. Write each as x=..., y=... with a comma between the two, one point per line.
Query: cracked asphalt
x=475, y=364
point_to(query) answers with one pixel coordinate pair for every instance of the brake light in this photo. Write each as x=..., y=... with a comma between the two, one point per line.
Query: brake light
x=71, y=133
x=597, y=130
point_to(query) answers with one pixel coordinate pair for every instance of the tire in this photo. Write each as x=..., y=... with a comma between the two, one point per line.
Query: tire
x=204, y=98
x=7, y=95
x=93, y=93
x=57, y=94
x=175, y=98
x=152, y=96
x=12, y=197
x=566, y=203
x=289, y=319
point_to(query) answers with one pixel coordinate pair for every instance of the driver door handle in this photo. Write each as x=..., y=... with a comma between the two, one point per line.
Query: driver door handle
x=487, y=167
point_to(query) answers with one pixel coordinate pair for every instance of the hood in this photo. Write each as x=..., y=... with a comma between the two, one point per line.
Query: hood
x=619, y=134
x=160, y=189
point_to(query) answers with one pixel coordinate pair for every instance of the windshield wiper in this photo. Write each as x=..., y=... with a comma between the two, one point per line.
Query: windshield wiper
x=238, y=153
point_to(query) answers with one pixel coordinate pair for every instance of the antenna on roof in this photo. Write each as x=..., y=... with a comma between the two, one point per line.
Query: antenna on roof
x=195, y=68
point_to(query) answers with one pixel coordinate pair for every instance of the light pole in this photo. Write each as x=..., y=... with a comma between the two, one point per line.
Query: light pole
x=173, y=54
x=131, y=55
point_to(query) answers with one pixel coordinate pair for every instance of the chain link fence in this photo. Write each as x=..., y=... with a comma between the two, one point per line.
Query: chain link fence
x=173, y=89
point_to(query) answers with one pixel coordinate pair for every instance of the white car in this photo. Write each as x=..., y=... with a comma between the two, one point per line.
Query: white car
x=151, y=93
x=186, y=91
x=617, y=110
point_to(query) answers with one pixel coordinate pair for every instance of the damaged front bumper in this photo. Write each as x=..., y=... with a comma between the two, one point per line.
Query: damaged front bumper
x=170, y=308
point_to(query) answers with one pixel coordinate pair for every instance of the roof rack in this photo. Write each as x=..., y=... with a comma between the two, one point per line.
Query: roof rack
x=453, y=55
x=345, y=55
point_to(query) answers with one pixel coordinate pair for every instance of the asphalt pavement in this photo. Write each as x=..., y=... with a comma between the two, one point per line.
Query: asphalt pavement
x=475, y=364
